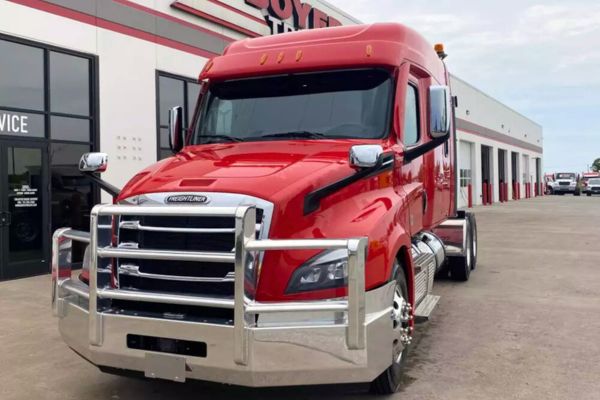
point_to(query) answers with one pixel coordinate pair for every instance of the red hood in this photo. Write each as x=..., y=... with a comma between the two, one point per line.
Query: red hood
x=260, y=169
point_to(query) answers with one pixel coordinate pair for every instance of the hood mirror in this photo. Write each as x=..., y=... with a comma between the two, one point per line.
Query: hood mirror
x=365, y=156
x=440, y=111
x=93, y=162
x=176, y=131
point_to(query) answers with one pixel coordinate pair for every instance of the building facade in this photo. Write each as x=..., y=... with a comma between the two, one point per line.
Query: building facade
x=500, y=151
x=101, y=75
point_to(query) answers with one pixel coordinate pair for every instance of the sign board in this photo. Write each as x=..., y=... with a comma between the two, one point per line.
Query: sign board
x=280, y=15
x=21, y=124
x=292, y=15
x=25, y=196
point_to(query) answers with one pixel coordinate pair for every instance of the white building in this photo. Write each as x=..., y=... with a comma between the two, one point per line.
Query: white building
x=497, y=145
x=100, y=75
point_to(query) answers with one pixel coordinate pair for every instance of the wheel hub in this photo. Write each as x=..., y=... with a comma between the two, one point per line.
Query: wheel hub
x=401, y=316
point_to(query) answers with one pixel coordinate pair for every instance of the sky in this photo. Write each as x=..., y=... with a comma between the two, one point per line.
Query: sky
x=541, y=58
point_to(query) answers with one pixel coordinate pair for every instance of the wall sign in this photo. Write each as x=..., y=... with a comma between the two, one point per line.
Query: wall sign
x=292, y=15
x=21, y=124
x=25, y=196
x=14, y=124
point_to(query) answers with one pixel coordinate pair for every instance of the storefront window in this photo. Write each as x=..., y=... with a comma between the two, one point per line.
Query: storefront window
x=69, y=84
x=173, y=91
x=47, y=94
x=21, y=76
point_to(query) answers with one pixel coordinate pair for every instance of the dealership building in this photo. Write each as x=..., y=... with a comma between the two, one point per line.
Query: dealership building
x=100, y=75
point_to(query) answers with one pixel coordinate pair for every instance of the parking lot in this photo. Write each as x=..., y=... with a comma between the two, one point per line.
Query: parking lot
x=526, y=326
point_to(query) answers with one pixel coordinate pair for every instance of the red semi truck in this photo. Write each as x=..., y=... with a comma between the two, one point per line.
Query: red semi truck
x=294, y=236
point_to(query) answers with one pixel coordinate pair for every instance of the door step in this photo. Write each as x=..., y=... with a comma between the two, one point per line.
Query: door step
x=426, y=307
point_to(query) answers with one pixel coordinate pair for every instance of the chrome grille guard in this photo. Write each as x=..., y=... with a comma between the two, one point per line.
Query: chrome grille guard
x=243, y=307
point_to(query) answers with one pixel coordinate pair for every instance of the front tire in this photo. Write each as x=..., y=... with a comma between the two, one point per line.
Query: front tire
x=390, y=380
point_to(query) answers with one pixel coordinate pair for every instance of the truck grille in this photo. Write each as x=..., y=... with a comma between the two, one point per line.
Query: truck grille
x=564, y=183
x=208, y=234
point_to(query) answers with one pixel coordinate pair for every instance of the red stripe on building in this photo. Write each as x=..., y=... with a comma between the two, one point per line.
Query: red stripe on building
x=171, y=18
x=238, y=11
x=497, y=140
x=112, y=26
x=214, y=19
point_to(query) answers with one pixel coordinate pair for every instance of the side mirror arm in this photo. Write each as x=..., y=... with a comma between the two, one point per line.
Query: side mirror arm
x=411, y=154
x=107, y=187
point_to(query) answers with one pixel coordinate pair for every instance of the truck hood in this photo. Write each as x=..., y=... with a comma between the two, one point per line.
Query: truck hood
x=260, y=169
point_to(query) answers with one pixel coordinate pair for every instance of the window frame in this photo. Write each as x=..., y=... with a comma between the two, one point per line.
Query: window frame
x=188, y=116
x=415, y=85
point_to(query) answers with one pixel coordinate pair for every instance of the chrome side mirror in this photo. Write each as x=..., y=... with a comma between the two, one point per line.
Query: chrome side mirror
x=365, y=156
x=93, y=162
x=176, y=138
x=440, y=111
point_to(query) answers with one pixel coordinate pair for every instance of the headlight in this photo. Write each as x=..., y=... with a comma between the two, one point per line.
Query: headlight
x=327, y=270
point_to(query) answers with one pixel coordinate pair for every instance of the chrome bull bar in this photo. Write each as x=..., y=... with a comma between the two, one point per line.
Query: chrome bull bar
x=245, y=244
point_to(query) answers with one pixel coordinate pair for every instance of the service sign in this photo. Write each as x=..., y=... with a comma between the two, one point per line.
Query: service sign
x=21, y=124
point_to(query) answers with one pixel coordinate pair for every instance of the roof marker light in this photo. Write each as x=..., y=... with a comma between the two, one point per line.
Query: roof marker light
x=369, y=50
x=299, y=55
x=280, y=57
x=263, y=59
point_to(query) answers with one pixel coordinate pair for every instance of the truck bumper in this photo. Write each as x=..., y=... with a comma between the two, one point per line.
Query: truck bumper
x=304, y=354
x=265, y=344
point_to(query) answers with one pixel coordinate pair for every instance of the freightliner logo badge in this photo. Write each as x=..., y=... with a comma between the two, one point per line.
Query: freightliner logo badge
x=187, y=198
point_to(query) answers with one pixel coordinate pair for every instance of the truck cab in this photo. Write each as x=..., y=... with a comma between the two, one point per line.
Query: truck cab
x=566, y=182
x=294, y=236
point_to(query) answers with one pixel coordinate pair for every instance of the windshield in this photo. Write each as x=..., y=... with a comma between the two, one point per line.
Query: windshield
x=565, y=176
x=339, y=104
x=594, y=181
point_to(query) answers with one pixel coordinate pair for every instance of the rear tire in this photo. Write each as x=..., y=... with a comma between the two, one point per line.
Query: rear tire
x=460, y=267
x=390, y=380
x=589, y=195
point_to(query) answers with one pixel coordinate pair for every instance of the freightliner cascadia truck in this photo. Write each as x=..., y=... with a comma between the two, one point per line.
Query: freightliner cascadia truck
x=294, y=236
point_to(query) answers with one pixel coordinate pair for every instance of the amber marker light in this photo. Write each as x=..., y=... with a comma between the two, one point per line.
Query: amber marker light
x=299, y=55
x=280, y=57
x=263, y=59
x=439, y=49
x=369, y=50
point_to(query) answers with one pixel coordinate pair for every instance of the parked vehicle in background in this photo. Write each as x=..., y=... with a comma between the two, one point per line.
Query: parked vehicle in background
x=586, y=176
x=566, y=182
x=294, y=236
x=593, y=186
x=549, y=183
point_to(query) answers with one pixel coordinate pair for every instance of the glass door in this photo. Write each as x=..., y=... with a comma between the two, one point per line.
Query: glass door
x=24, y=228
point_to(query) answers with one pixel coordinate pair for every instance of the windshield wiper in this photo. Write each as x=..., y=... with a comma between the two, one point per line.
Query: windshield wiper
x=296, y=134
x=218, y=138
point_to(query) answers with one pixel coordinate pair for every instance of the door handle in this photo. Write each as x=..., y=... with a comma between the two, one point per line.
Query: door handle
x=5, y=218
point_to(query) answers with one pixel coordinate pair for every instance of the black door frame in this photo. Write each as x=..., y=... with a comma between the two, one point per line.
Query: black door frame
x=8, y=271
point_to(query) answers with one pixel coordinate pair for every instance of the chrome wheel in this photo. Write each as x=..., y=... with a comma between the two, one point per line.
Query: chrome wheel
x=401, y=317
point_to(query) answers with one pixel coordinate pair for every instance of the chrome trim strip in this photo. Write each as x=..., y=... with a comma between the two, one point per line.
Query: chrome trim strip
x=136, y=225
x=300, y=244
x=95, y=322
x=75, y=287
x=111, y=252
x=78, y=236
x=134, y=270
x=170, y=211
x=130, y=295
